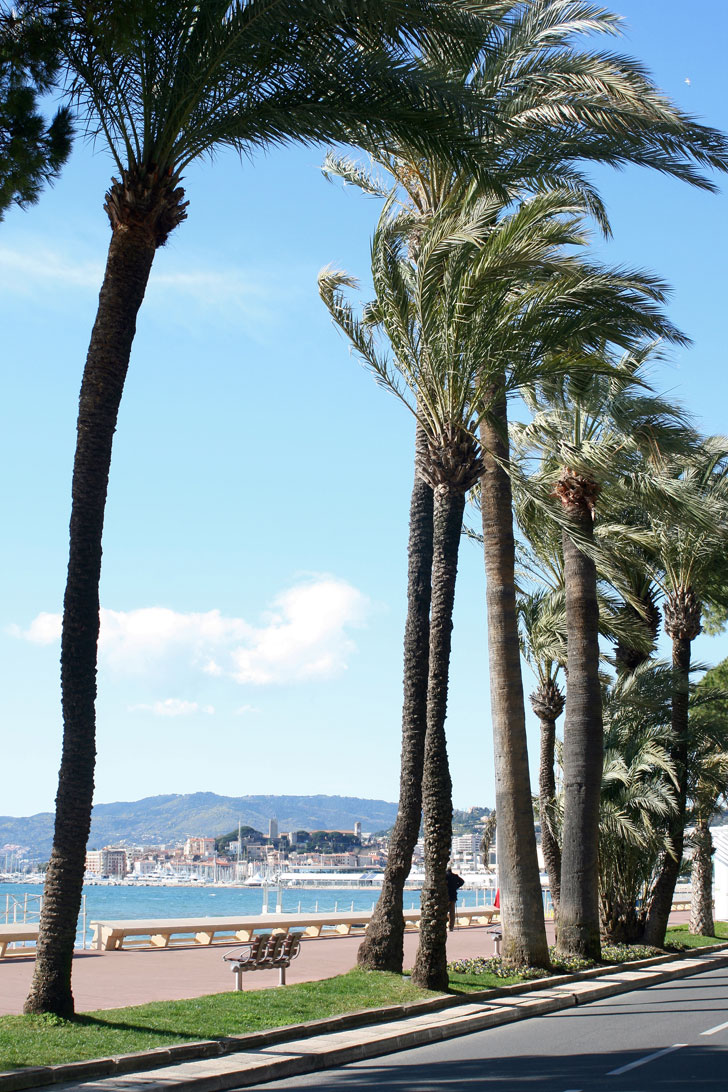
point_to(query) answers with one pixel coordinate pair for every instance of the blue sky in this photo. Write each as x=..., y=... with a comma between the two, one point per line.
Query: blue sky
x=255, y=541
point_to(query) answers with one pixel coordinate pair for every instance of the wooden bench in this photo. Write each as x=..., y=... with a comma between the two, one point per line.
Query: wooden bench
x=16, y=933
x=265, y=952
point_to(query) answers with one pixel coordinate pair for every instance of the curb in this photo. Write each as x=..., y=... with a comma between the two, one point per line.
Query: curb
x=212, y=1065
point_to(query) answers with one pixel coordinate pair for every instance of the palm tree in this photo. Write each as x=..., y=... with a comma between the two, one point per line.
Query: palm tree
x=708, y=773
x=382, y=948
x=637, y=796
x=551, y=103
x=688, y=555
x=594, y=431
x=542, y=619
x=163, y=84
x=420, y=307
x=543, y=644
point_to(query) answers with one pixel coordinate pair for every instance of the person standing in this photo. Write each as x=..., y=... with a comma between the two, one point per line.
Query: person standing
x=453, y=883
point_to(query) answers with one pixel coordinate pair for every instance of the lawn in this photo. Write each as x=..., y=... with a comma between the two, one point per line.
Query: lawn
x=679, y=936
x=45, y=1040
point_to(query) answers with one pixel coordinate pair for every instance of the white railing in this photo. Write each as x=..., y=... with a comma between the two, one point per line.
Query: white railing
x=25, y=910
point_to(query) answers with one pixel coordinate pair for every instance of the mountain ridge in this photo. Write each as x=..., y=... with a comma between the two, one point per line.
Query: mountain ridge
x=172, y=817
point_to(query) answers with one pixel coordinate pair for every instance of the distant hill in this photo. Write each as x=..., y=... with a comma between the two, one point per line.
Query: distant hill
x=160, y=819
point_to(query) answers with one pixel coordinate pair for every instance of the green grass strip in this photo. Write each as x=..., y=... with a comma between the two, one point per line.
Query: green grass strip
x=48, y=1040
x=678, y=936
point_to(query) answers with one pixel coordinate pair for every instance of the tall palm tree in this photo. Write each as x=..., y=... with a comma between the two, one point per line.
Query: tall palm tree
x=593, y=431
x=551, y=104
x=419, y=306
x=163, y=83
x=382, y=948
x=688, y=555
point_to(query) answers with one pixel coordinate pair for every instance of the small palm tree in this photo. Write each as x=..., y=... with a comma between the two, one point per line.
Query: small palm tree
x=707, y=789
x=543, y=645
x=637, y=797
x=163, y=83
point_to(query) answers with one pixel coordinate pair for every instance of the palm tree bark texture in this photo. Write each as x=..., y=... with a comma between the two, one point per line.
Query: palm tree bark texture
x=430, y=969
x=142, y=210
x=682, y=611
x=452, y=467
x=701, y=909
x=383, y=946
x=524, y=931
x=583, y=731
x=548, y=705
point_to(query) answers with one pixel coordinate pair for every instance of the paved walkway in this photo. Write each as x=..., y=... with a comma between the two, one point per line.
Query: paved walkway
x=108, y=980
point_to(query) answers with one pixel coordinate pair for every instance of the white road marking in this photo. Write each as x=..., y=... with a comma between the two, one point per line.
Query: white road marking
x=712, y=1031
x=644, y=1061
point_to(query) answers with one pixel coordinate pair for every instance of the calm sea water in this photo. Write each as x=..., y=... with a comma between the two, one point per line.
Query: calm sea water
x=104, y=903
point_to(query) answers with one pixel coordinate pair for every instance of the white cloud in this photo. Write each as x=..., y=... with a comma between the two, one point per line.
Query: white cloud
x=245, y=710
x=45, y=629
x=237, y=294
x=22, y=271
x=173, y=707
x=305, y=636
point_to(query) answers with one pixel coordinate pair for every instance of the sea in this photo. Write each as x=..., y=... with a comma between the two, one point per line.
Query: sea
x=20, y=901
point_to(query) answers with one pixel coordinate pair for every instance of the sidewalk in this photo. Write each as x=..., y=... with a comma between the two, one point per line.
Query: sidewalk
x=110, y=980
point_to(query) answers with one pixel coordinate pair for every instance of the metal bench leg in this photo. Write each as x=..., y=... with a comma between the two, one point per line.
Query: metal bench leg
x=281, y=976
x=238, y=973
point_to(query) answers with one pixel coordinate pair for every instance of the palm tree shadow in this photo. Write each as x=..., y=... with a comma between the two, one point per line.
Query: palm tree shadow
x=504, y=1074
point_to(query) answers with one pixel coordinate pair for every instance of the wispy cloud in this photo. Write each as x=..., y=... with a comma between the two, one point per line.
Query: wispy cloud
x=239, y=295
x=22, y=271
x=305, y=635
x=173, y=707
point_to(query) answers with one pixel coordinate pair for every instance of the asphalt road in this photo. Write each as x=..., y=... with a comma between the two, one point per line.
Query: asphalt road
x=670, y=1038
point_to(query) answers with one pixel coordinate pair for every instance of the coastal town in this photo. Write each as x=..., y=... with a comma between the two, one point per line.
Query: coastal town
x=320, y=858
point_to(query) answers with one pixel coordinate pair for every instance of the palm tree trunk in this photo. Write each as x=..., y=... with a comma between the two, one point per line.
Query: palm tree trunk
x=701, y=908
x=129, y=262
x=430, y=970
x=664, y=889
x=583, y=753
x=547, y=797
x=524, y=931
x=383, y=946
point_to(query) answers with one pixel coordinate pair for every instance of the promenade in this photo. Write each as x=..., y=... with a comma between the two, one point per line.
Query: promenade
x=107, y=980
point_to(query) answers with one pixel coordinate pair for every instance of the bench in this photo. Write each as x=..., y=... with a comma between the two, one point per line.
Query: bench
x=14, y=934
x=169, y=932
x=265, y=952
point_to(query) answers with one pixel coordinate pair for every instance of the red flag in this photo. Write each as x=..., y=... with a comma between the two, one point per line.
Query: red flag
x=496, y=904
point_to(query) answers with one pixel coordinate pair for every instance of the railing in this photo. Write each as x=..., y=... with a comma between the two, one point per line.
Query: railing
x=25, y=909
